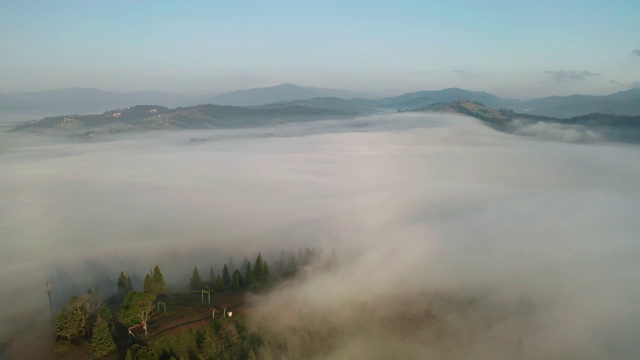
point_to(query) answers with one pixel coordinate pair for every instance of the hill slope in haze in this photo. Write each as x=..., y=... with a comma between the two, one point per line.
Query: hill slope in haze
x=152, y=117
x=620, y=103
x=584, y=128
x=82, y=101
x=277, y=94
x=88, y=101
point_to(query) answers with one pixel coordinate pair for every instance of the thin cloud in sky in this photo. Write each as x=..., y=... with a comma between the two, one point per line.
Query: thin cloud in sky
x=568, y=75
x=464, y=73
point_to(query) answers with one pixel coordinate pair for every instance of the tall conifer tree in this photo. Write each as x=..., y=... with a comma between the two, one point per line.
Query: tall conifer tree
x=226, y=277
x=196, y=281
x=101, y=340
x=248, y=275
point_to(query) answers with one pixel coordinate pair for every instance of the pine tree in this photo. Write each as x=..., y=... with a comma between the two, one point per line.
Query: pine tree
x=140, y=352
x=235, y=279
x=104, y=313
x=67, y=325
x=300, y=259
x=154, y=282
x=219, y=284
x=158, y=281
x=292, y=269
x=148, y=284
x=226, y=278
x=332, y=262
x=258, y=271
x=212, y=279
x=101, y=340
x=231, y=265
x=124, y=283
x=266, y=276
x=196, y=281
x=308, y=257
x=82, y=309
x=248, y=275
x=281, y=267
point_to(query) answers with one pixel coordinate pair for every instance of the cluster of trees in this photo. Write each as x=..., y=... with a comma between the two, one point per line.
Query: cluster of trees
x=256, y=277
x=74, y=319
x=259, y=276
x=86, y=317
x=309, y=257
x=154, y=282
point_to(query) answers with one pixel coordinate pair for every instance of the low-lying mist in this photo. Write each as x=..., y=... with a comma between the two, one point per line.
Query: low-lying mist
x=505, y=247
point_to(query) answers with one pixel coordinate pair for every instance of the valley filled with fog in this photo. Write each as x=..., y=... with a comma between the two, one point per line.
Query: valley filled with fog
x=412, y=203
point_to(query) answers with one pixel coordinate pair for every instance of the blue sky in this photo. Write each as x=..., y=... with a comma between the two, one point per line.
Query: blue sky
x=511, y=48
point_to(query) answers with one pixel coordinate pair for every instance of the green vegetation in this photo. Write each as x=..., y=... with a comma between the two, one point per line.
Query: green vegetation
x=124, y=283
x=226, y=277
x=102, y=340
x=154, y=282
x=137, y=308
x=142, y=329
x=196, y=281
x=74, y=320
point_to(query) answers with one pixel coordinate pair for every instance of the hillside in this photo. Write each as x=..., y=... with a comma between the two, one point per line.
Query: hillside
x=609, y=127
x=620, y=103
x=425, y=98
x=151, y=117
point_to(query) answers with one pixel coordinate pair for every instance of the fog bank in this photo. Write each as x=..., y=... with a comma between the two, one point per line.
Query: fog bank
x=417, y=206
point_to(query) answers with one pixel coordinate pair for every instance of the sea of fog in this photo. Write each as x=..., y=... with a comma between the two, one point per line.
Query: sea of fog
x=408, y=201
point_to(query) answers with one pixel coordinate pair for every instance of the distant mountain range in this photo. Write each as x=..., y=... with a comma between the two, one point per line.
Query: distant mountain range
x=88, y=101
x=82, y=101
x=278, y=94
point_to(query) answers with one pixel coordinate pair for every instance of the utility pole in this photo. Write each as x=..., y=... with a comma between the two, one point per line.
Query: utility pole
x=49, y=291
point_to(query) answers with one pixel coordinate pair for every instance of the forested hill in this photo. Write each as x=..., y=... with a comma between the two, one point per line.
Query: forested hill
x=151, y=117
x=620, y=128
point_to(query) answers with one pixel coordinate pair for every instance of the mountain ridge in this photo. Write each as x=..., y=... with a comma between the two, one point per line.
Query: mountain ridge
x=91, y=100
x=278, y=93
x=618, y=128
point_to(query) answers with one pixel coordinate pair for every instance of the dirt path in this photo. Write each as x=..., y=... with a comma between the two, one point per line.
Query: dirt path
x=190, y=323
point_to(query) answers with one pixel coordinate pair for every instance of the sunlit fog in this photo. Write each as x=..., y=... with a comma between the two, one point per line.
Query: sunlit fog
x=501, y=246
